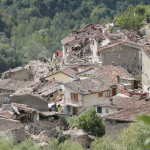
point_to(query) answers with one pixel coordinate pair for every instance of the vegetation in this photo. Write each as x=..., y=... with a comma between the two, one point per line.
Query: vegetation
x=138, y=15
x=135, y=137
x=132, y=138
x=32, y=28
x=89, y=122
x=6, y=143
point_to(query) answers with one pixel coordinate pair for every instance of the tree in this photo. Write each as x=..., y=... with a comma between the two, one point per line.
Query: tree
x=89, y=122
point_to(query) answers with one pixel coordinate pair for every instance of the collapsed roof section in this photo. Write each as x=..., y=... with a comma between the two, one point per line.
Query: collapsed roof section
x=33, y=71
x=14, y=85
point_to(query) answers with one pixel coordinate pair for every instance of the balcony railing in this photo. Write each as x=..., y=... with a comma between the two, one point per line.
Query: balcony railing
x=68, y=101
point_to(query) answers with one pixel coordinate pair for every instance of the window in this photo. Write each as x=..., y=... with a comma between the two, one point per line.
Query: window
x=101, y=94
x=99, y=109
x=74, y=96
x=107, y=110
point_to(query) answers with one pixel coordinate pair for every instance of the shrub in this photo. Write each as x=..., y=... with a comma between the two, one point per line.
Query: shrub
x=132, y=138
x=54, y=145
x=89, y=122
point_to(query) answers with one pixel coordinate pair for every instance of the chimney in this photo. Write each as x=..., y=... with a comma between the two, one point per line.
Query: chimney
x=118, y=79
x=111, y=101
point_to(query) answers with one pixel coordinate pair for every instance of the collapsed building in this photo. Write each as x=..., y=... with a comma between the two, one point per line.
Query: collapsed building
x=31, y=72
x=79, y=45
x=83, y=45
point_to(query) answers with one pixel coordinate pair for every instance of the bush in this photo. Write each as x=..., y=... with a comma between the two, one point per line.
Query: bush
x=27, y=145
x=89, y=122
x=54, y=145
x=132, y=138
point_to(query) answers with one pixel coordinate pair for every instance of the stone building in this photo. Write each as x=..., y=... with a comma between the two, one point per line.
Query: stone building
x=124, y=53
x=116, y=122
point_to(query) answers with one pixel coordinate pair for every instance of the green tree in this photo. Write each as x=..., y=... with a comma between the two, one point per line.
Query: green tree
x=89, y=122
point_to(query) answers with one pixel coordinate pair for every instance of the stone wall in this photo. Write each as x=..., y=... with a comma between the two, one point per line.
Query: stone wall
x=31, y=101
x=13, y=126
x=145, y=72
x=114, y=128
x=121, y=55
x=20, y=74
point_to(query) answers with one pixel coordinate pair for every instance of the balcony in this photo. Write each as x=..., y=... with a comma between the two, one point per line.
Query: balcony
x=74, y=103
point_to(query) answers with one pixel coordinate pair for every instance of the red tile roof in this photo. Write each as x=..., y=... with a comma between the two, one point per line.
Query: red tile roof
x=118, y=43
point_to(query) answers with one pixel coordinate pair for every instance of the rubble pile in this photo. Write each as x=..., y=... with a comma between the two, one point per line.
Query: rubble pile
x=38, y=69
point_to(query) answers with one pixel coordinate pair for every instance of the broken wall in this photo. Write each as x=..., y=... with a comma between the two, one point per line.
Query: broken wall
x=21, y=74
x=15, y=127
x=30, y=100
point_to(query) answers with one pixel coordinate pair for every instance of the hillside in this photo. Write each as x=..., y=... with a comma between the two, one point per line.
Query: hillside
x=33, y=28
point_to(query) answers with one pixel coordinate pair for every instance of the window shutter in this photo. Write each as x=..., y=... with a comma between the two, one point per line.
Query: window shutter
x=76, y=97
x=101, y=94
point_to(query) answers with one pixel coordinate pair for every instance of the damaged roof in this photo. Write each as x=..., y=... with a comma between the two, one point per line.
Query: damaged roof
x=109, y=74
x=23, y=107
x=119, y=102
x=50, y=87
x=14, y=85
x=89, y=30
x=129, y=114
x=88, y=86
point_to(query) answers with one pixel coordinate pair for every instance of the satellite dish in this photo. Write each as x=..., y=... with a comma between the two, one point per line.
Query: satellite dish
x=6, y=100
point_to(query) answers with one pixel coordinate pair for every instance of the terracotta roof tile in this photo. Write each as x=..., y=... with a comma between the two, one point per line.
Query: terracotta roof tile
x=68, y=71
x=88, y=86
x=50, y=87
x=125, y=41
x=119, y=102
x=109, y=74
x=129, y=114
